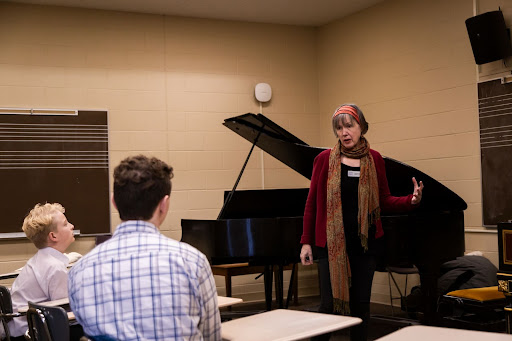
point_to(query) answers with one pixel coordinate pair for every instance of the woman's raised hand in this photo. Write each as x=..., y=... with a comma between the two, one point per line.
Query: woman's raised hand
x=306, y=255
x=418, y=190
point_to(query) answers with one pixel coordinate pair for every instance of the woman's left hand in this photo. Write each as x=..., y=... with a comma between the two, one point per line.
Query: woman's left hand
x=418, y=190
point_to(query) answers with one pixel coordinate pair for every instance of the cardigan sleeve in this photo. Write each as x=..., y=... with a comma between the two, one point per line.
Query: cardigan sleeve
x=308, y=230
x=389, y=203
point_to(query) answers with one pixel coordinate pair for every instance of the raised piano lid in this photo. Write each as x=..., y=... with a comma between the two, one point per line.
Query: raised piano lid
x=299, y=156
x=276, y=141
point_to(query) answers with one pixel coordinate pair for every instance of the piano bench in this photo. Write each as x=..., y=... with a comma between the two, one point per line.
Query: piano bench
x=477, y=309
x=237, y=269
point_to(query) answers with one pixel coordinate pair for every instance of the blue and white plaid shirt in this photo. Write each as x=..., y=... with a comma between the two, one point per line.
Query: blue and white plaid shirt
x=141, y=285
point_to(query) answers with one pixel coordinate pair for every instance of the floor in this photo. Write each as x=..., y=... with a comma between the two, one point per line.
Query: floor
x=381, y=323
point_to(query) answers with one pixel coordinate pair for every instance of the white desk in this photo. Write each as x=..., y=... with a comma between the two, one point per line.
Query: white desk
x=284, y=325
x=224, y=301
x=426, y=333
x=15, y=273
x=56, y=303
x=9, y=275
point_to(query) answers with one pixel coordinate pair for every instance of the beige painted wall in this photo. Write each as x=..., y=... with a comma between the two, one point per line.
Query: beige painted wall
x=169, y=82
x=409, y=65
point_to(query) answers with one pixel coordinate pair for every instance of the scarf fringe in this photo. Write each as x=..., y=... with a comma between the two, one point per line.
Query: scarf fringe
x=364, y=242
x=373, y=217
x=341, y=307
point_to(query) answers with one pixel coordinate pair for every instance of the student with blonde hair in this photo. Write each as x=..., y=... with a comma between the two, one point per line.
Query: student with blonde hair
x=45, y=276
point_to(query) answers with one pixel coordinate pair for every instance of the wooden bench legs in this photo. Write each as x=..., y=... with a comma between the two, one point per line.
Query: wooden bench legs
x=229, y=270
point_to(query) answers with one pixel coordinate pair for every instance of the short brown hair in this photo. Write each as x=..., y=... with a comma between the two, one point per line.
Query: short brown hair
x=39, y=223
x=139, y=185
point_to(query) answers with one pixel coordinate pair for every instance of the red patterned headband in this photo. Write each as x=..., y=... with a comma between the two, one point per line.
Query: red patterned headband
x=349, y=110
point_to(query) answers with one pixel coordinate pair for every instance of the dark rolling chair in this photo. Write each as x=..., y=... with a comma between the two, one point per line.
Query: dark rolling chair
x=47, y=323
x=6, y=313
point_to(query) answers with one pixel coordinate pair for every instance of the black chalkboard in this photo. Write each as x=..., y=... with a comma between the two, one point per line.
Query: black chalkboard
x=55, y=158
x=495, y=114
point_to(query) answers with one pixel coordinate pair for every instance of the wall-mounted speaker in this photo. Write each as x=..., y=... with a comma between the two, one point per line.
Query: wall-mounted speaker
x=263, y=92
x=489, y=37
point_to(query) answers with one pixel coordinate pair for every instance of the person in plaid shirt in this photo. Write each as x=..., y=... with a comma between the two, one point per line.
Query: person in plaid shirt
x=139, y=284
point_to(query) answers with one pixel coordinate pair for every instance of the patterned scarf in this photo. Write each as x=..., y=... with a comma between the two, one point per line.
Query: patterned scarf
x=369, y=213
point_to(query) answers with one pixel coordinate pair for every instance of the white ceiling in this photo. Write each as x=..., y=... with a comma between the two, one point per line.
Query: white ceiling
x=291, y=12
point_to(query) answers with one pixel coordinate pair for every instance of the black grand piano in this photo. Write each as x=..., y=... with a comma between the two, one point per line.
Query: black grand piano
x=263, y=227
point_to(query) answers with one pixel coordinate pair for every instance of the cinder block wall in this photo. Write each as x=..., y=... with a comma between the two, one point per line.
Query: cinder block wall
x=410, y=67
x=169, y=83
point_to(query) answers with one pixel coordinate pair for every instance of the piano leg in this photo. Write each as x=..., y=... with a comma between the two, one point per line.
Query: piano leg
x=267, y=279
x=291, y=288
x=277, y=273
x=430, y=296
x=279, y=286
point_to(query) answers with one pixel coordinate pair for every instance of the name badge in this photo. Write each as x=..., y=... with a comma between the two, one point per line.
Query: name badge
x=353, y=174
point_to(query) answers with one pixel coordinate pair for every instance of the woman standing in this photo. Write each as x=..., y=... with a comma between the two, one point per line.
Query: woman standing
x=348, y=190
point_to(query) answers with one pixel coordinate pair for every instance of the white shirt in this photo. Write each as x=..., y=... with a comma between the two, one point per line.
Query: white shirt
x=43, y=278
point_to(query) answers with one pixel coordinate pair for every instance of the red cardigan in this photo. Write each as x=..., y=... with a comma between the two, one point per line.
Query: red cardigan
x=315, y=213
